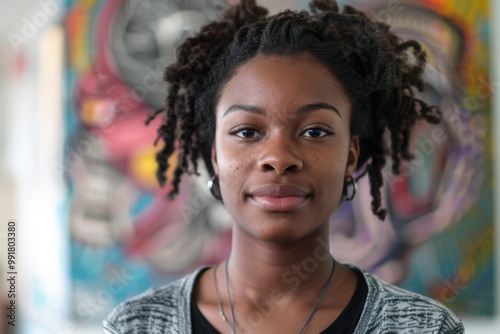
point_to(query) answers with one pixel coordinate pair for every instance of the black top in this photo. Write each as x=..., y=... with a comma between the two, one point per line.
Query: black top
x=346, y=322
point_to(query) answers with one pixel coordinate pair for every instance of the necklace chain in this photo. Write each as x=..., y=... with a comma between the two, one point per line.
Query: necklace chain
x=221, y=311
x=232, y=327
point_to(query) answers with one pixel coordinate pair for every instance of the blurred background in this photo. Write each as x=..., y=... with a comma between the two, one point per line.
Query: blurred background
x=77, y=80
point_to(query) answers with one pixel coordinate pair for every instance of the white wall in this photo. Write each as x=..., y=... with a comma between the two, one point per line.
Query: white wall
x=30, y=137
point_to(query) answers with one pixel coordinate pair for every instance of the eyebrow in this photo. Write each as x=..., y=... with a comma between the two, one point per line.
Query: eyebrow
x=302, y=110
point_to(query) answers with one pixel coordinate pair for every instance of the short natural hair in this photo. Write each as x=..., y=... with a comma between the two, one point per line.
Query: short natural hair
x=380, y=73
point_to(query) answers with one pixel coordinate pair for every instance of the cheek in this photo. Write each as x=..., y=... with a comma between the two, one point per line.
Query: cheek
x=330, y=172
x=233, y=170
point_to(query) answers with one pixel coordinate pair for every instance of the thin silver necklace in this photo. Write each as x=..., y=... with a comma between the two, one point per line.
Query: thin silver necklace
x=232, y=327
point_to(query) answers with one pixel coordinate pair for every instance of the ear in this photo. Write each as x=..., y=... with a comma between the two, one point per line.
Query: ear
x=352, y=157
x=214, y=160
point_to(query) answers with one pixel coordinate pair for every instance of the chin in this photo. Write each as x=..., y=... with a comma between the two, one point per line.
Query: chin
x=279, y=229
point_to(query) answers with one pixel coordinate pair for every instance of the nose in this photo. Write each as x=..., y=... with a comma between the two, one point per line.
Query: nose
x=279, y=155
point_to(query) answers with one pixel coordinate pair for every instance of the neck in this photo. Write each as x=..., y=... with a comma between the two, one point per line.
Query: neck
x=259, y=270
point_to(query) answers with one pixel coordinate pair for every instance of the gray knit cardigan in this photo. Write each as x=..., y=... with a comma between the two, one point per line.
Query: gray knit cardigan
x=388, y=309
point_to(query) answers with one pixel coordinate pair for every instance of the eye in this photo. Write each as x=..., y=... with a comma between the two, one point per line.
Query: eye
x=315, y=133
x=246, y=133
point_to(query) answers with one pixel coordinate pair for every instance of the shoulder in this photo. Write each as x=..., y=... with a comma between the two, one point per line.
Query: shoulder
x=155, y=309
x=158, y=310
x=390, y=308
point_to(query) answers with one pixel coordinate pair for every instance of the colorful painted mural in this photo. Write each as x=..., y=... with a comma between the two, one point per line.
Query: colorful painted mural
x=438, y=238
x=125, y=237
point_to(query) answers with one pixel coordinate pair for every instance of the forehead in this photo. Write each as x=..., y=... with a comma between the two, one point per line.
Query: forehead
x=289, y=81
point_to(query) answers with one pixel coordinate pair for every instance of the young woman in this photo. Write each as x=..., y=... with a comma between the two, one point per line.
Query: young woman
x=284, y=110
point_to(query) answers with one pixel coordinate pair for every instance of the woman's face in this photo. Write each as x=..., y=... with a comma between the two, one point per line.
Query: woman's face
x=282, y=146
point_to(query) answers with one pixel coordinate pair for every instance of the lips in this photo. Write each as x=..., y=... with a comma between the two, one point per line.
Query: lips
x=279, y=198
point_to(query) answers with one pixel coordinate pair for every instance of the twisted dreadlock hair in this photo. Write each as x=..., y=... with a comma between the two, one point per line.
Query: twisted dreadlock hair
x=380, y=74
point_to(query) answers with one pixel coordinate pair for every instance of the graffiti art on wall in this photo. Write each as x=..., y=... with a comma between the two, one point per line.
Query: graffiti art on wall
x=438, y=238
x=126, y=237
